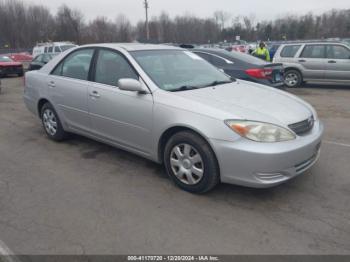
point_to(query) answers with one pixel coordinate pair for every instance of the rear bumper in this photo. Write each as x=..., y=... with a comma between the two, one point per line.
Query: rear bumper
x=279, y=85
x=262, y=165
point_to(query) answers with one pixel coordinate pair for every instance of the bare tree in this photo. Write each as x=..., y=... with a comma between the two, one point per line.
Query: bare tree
x=69, y=23
x=221, y=18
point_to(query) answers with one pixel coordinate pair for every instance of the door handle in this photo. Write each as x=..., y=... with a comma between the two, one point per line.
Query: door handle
x=95, y=94
x=302, y=61
x=52, y=84
x=332, y=62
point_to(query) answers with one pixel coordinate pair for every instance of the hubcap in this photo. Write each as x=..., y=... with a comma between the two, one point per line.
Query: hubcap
x=187, y=164
x=50, y=122
x=292, y=79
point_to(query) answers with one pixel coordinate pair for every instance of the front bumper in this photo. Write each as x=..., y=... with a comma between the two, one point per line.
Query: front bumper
x=262, y=165
x=11, y=70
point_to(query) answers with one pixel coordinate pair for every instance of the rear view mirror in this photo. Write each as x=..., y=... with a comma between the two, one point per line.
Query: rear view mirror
x=129, y=84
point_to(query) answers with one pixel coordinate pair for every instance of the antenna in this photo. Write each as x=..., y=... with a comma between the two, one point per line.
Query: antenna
x=146, y=5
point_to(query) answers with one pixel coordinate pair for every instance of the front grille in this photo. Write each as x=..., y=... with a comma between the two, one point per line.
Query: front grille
x=303, y=127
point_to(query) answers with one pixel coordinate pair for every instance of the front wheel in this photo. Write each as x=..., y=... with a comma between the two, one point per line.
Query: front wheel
x=191, y=163
x=293, y=78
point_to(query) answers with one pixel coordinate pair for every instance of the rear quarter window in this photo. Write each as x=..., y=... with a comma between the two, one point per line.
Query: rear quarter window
x=290, y=50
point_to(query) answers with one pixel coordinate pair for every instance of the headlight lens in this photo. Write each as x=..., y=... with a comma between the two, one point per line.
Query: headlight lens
x=261, y=132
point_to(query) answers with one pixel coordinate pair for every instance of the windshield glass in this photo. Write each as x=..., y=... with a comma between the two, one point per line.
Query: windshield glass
x=66, y=47
x=177, y=70
x=5, y=59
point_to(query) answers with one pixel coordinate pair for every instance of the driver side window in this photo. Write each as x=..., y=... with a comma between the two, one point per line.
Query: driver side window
x=111, y=67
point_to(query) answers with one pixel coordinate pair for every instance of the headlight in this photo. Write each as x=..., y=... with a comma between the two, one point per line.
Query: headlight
x=260, y=132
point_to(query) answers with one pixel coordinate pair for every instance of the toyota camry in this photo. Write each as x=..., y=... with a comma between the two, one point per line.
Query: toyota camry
x=170, y=106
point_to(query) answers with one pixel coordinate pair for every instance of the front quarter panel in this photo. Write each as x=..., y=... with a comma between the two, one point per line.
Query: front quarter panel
x=172, y=111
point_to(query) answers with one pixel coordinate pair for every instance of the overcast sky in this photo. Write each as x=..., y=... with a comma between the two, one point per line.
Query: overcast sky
x=133, y=9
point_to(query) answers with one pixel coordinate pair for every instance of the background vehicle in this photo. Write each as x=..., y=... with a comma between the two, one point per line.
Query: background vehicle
x=314, y=62
x=39, y=61
x=273, y=47
x=169, y=105
x=54, y=47
x=9, y=67
x=243, y=66
x=21, y=57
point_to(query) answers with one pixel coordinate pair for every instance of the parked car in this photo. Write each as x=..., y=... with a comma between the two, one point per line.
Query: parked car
x=314, y=62
x=243, y=66
x=9, y=67
x=39, y=61
x=52, y=47
x=20, y=57
x=170, y=106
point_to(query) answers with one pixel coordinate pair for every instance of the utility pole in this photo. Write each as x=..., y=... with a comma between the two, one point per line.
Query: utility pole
x=147, y=24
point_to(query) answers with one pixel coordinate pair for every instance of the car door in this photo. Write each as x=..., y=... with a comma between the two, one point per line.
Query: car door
x=338, y=63
x=68, y=87
x=313, y=61
x=121, y=117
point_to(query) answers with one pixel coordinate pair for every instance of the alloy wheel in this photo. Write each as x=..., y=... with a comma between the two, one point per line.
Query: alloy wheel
x=291, y=79
x=50, y=122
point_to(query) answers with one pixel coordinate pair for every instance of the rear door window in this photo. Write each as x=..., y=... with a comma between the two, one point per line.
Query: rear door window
x=57, y=49
x=338, y=52
x=314, y=51
x=50, y=49
x=290, y=50
x=76, y=65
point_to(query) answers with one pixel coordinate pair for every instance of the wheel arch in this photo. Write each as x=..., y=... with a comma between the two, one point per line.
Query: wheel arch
x=168, y=133
x=41, y=103
x=289, y=68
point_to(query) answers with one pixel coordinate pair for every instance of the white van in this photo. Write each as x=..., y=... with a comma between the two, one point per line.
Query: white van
x=52, y=47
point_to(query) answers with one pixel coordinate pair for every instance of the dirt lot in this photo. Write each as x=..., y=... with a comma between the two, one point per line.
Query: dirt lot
x=82, y=197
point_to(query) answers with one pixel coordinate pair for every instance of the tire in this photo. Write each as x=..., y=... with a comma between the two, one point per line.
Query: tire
x=293, y=78
x=191, y=163
x=52, y=124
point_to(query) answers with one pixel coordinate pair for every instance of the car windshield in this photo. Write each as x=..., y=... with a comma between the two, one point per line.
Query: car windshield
x=5, y=59
x=177, y=70
x=66, y=47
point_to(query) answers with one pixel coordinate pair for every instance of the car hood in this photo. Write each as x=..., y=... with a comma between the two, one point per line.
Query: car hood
x=10, y=64
x=249, y=101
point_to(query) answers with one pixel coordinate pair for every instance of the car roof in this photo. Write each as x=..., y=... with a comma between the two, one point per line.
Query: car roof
x=135, y=46
x=231, y=55
x=313, y=43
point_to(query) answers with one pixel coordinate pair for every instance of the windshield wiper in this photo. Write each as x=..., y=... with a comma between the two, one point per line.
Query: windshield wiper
x=185, y=88
x=216, y=83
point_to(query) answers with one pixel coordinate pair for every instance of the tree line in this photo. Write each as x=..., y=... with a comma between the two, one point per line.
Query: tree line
x=23, y=25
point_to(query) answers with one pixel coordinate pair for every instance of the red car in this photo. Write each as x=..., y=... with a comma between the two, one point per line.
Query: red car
x=21, y=57
x=9, y=67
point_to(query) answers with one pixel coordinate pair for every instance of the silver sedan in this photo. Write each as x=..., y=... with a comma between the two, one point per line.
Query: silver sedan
x=172, y=107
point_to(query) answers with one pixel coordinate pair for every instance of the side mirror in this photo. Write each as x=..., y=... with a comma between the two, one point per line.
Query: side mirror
x=132, y=85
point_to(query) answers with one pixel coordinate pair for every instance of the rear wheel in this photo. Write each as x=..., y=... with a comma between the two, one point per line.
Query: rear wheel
x=191, y=163
x=52, y=124
x=293, y=78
